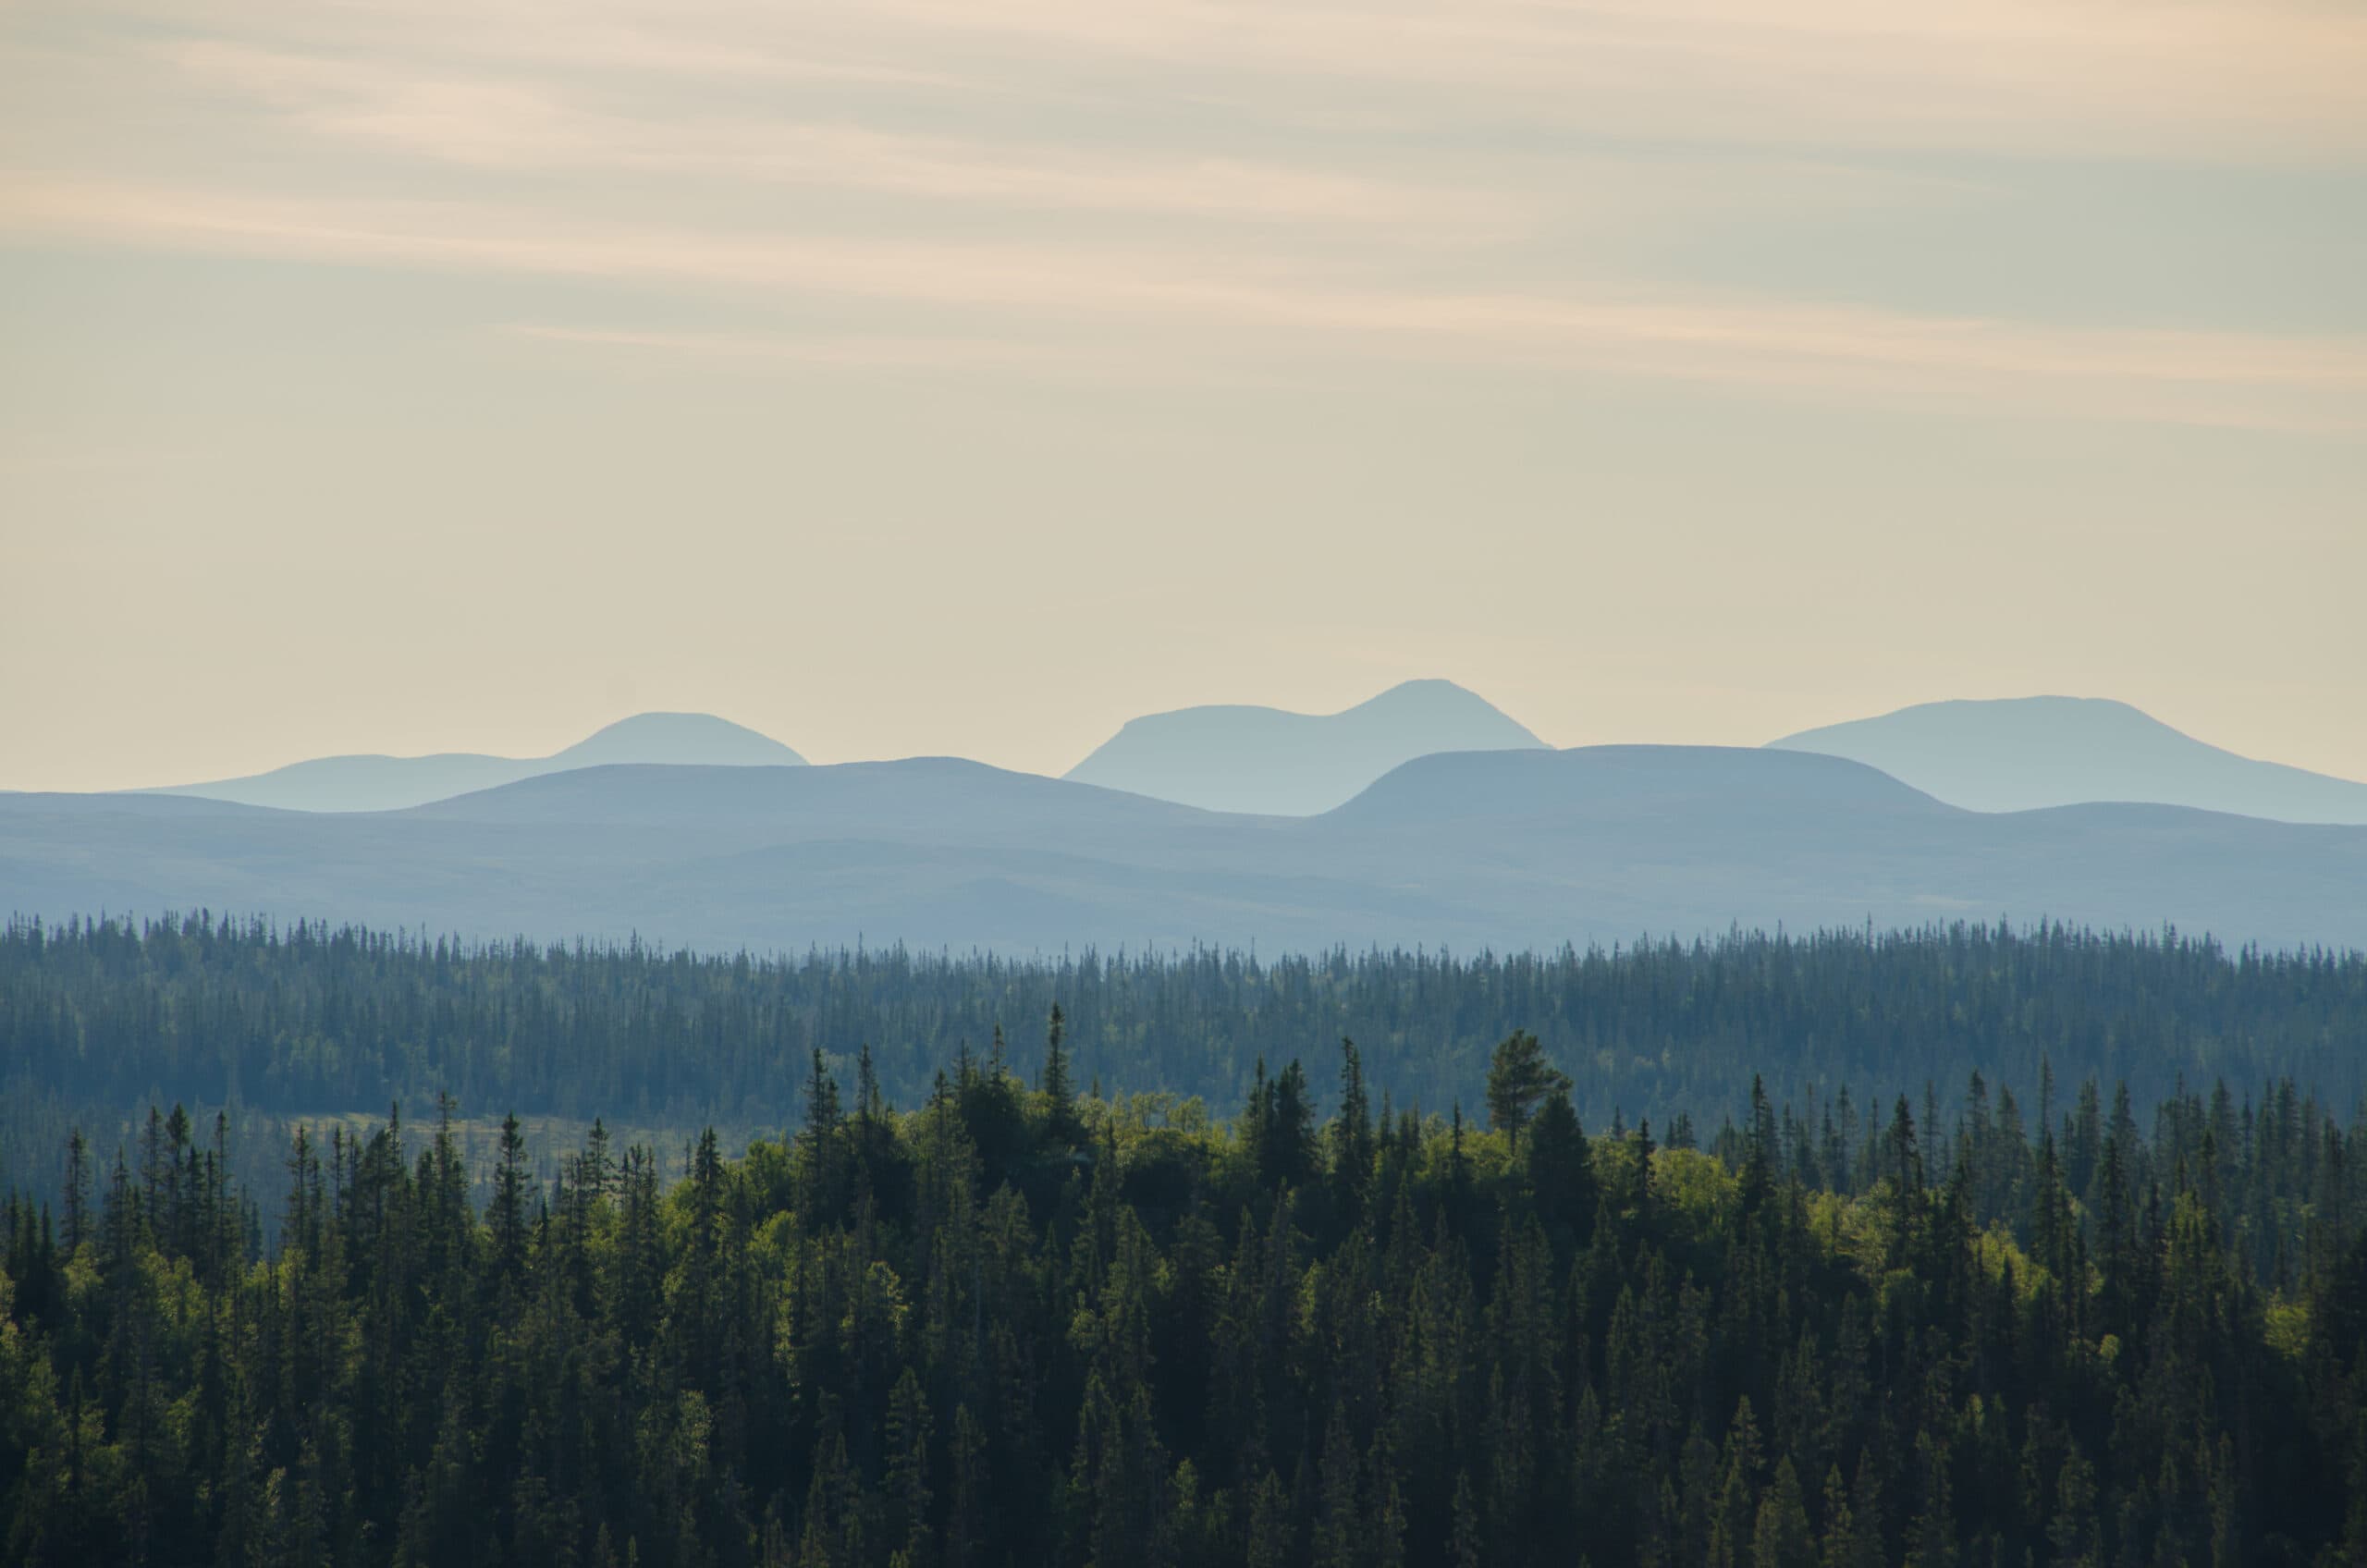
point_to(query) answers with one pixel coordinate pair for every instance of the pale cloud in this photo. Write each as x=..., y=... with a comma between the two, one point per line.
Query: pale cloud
x=2260, y=77
x=2218, y=79
x=841, y=350
x=508, y=124
x=1236, y=303
x=2113, y=74
x=1372, y=241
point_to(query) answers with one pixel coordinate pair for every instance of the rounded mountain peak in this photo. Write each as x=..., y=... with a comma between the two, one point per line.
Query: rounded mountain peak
x=1432, y=694
x=2023, y=754
x=691, y=738
x=1270, y=761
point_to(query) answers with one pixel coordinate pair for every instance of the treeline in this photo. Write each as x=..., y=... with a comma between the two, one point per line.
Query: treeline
x=99, y=1018
x=1024, y=1326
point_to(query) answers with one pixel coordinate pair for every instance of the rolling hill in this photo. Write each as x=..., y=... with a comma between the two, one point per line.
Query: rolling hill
x=2021, y=753
x=1512, y=849
x=1267, y=760
x=386, y=783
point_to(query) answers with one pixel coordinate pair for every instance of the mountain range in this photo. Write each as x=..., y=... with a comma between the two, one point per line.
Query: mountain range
x=1271, y=762
x=1424, y=816
x=2011, y=754
x=384, y=783
x=1509, y=849
x=2024, y=752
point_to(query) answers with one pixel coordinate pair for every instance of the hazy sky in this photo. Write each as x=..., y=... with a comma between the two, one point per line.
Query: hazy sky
x=968, y=375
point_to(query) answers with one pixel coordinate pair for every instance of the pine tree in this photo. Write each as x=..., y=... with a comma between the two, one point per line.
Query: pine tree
x=78, y=1191
x=909, y=1431
x=508, y=1215
x=1931, y=1539
x=1352, y=1136
x=1462, y=1545
x=1338, y=1533
x=1842, y=1546
x=2072, y=1532
x=1270, y=1543
x=1061, y=1128
x=1735, y=1513
x=1780, y=1538
x=966, y=1531
x=1518, y=1077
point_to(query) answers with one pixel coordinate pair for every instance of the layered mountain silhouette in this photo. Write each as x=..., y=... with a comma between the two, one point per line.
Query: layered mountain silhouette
x=1517, y=848
x=2024, y=752
x=384, y=783
x=1263, y=760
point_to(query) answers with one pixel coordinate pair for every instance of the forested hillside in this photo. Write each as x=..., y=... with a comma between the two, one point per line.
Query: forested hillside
x=98, y=1019
x=1031, y=1327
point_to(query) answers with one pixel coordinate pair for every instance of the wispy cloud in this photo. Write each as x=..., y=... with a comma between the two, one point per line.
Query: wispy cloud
x=1202, y=180
x=2105, y=73
x=843, y=350
x=506, y=123
x=1237, y=307
x=2216, y=79
x=2274, y=78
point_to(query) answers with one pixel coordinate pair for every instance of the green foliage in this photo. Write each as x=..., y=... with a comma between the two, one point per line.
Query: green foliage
x=1135, y=1338
x=309, y=1023
x=1519, y=1078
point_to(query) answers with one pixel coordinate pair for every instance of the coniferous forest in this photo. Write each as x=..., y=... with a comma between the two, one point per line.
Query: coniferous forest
x=1013, y=1317
x=103, y=1019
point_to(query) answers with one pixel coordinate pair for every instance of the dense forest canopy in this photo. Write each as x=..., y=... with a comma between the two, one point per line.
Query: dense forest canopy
x=100, y=1018
x=1030, y=1326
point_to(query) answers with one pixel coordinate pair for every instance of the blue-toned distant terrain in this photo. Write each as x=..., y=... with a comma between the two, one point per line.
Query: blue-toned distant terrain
x=1511, y=849
x=2023, y=753
x=1230, y=757
x=382, y=783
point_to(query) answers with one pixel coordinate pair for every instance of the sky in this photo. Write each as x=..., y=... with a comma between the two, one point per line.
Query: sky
x=968, y=376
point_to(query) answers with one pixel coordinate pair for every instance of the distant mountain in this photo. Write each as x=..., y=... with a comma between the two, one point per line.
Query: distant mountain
x=681, y=739
x=383, y=783
x=1267, y=760
x=1506, y=849
x=2020, y=753
x=1514, y=792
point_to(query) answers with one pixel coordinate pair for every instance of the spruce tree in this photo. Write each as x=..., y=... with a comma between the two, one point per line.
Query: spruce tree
x=1061, y=1128
x=1518, y=1077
